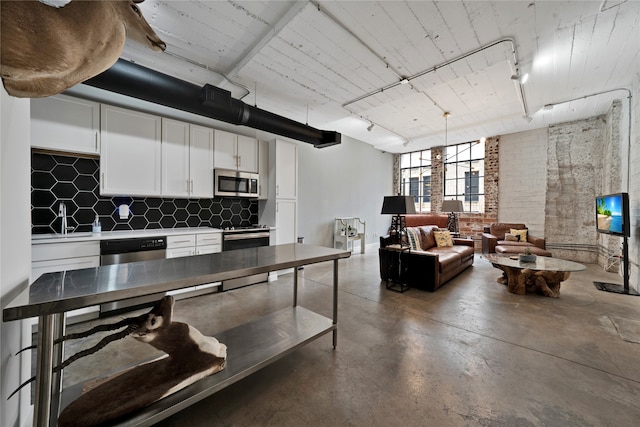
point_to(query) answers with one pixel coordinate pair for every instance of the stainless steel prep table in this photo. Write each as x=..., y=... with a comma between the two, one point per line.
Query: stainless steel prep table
x=53, y=294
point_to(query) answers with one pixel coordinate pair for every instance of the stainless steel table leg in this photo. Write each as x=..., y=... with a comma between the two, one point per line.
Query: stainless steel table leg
x=295, y=286
x=42, y=407
x=335, y=302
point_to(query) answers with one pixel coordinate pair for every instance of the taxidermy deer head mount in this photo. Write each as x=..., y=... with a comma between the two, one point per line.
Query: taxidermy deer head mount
x=46, y=50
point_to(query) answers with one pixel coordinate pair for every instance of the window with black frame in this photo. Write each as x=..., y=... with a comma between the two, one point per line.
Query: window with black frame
x=415, y=178
x=464, y=174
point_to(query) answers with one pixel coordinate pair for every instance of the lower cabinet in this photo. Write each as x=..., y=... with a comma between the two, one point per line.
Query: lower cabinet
x=53, y=257
x=193, y=244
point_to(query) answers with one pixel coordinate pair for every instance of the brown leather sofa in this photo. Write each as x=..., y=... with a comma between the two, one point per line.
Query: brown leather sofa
x=493, y=240
x=428, y=268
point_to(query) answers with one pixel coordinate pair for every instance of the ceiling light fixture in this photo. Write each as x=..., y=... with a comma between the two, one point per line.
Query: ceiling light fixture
x=404, y=81
x=522, y=79
x=446, y=126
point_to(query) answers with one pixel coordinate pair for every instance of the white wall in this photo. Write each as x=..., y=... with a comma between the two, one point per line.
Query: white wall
x=634, y=186
x=344, y=180
x=522, y=177
x=15, y=251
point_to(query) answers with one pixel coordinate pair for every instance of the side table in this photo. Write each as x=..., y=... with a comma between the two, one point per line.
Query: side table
x=395, y=280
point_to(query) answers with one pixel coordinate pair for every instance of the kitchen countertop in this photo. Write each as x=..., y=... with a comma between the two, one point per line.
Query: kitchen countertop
x=37, y=239
x=63, y=291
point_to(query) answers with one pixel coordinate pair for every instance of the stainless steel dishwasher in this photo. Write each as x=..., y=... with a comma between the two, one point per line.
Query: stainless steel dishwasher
x=120, y=251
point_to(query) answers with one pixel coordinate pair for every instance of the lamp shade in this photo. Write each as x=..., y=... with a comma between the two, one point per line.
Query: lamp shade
x=452, y=206
x=395, y=205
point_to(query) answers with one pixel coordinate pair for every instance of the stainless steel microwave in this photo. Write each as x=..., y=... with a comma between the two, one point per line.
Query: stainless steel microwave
x=230, y=183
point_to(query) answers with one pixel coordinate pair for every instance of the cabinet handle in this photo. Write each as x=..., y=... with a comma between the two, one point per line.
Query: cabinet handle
x=277, y=190
x=96, y=141
x=181, y=241
x=188, y=186
x=239, y=161
x=191, y=186
x=102, y=180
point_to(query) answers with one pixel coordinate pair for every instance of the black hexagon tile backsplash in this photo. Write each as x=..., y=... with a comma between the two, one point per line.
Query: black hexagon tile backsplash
x=75, y=182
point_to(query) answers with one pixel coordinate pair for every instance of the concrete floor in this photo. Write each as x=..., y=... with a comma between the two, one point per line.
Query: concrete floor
x=470, y=354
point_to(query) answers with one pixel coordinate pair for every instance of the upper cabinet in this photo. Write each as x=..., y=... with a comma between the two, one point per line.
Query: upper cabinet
x=236, y=152
x=187, y=160
x=64, y=123
x=201, y=161
x=286, y=170
x=130, y=152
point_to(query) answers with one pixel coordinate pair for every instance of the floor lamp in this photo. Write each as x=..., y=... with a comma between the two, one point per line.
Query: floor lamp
x=398, y=206
x=452, y=206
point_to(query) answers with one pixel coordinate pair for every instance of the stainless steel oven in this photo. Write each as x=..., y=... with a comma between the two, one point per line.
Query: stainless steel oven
x=230, y=183
x=242, y=238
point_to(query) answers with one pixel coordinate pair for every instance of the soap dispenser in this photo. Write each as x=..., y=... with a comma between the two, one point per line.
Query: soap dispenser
x=96, y=228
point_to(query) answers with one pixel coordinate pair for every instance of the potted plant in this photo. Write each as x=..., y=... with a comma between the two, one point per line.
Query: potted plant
x=527, y=256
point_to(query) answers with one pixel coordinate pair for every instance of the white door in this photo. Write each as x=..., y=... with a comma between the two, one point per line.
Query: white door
x=225, y=150
x=201, y=161
x=247, y=152
x=65, y=123
x=286, y=170
x=175, y=158
x=130, y=152
x=285, y=221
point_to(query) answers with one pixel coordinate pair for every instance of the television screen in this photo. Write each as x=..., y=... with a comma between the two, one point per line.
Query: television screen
x=612, y=214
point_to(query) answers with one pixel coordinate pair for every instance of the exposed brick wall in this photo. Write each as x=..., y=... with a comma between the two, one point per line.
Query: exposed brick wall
x=437, y=177
x=575, y=171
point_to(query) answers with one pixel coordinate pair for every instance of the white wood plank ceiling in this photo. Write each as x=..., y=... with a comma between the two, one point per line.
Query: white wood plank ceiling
x=343, y=65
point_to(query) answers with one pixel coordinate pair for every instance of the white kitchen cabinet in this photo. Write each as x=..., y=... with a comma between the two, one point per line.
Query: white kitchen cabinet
x=263, y=170
x=286, y=221
x=175, y=159
x=181, y=245
x=187, y=160
x=286, y=170
x=280, y=207
x=54, y=257
x=208, y=243
x=64, y=123
x=201, y=161
x=235, y=152
x=130, y=152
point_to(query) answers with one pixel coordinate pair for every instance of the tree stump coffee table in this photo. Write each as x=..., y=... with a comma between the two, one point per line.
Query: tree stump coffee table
x=542, y=276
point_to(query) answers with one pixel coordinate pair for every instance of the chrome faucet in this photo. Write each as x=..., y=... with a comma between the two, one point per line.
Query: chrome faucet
x=62, y=213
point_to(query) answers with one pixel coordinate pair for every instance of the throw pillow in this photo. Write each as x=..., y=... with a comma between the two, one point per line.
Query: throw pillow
x=427, y=241
x=512, y=237
x=521, y=233
x=413, y=238
x=443, y=238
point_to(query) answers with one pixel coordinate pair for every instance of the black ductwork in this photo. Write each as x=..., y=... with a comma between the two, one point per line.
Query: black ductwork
x=143, y=83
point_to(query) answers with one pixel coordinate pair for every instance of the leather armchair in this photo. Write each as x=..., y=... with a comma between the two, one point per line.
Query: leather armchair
x=494, y=235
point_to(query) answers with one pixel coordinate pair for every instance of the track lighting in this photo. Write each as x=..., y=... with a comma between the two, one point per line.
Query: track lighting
x=370, y=127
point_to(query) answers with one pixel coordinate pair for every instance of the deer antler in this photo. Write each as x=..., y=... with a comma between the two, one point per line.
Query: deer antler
x=131, y=323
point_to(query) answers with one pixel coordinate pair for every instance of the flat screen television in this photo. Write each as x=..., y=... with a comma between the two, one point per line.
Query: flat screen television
x=612, y=214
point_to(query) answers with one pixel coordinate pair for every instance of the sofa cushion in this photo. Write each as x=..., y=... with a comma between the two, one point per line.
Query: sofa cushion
x=443, y=238
x=521, y=233
x=416, y=220
x=413, y=238
x=427, y=239
x=509, y=243
x=448, y=260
